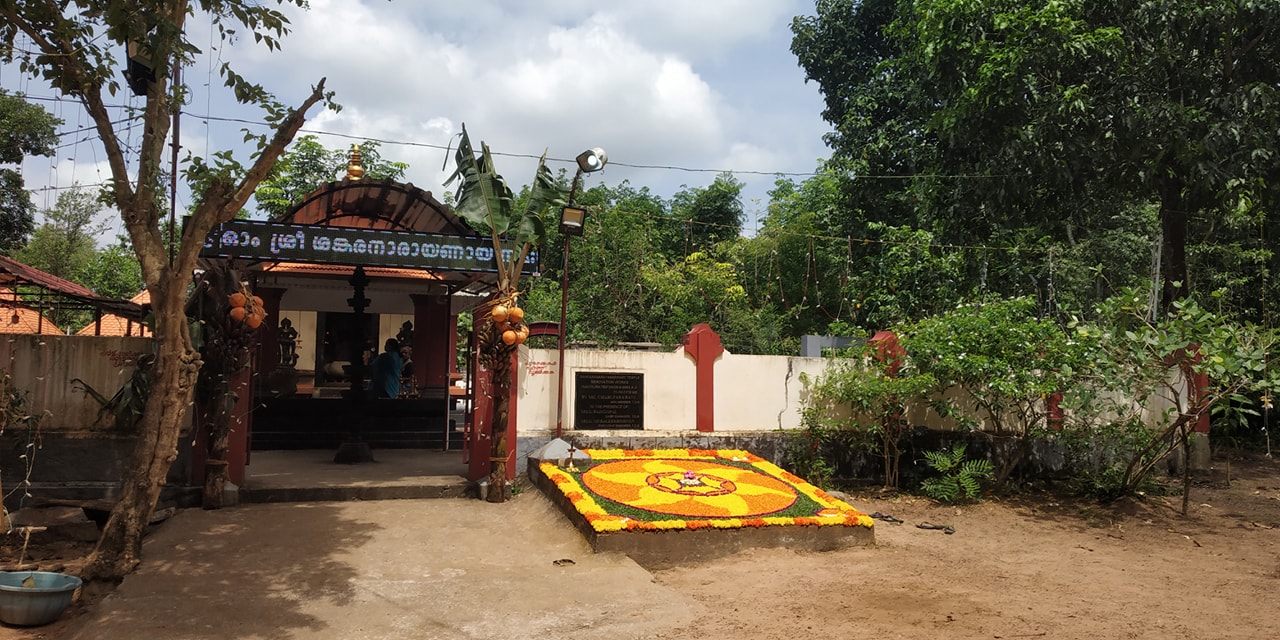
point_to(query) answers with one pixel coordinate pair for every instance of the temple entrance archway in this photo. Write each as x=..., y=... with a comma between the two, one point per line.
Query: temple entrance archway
x=350, y=265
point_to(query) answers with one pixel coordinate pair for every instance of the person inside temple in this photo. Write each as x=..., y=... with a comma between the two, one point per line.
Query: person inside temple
x=385, y=371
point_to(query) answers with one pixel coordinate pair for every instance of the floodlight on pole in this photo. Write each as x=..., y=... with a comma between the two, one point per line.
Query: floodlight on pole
x=592, y=159
x=572, y=223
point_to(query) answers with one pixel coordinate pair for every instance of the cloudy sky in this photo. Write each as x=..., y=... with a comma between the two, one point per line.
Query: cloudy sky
x=701, y=86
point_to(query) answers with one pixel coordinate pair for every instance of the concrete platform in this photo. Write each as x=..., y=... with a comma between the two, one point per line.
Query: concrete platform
x=391, y=569
x=312, y=476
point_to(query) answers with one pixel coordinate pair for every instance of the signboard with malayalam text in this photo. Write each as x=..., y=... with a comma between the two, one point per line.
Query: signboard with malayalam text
x=316, y=244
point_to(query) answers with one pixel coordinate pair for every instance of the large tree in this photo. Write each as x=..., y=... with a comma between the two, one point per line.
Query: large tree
x=25, y=129
x=75, y=46
x=1012, y=115
x=64, y=244
x=712, y=214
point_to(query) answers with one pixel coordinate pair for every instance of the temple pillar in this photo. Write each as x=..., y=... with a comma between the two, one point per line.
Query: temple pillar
x=433, y=333
x=266, y=350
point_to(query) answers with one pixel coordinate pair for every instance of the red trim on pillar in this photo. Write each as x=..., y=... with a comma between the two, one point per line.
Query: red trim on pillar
x=1197, y=383
x=432, y=340
x=266, y=349
x=888, y=351
x=1053, y=410
x=238, y=442
x=703, y=345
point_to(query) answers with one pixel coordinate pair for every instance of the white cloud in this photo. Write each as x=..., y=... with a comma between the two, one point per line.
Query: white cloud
x=703, y=85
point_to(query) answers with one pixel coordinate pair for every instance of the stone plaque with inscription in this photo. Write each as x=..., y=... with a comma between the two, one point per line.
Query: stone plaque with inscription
x=605, y=400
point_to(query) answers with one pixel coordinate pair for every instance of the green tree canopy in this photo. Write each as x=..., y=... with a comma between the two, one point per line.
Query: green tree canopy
x=1047, y=116
x=712, y=214
x=65, y=244
x=308, y=164
x=25, y=130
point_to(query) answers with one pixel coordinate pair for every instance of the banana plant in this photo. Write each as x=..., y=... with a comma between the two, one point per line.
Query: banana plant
x=485, y=202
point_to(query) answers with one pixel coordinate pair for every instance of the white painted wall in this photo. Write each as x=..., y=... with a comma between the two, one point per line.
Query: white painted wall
x=753, y=393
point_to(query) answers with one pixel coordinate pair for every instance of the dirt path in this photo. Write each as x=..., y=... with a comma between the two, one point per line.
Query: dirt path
x=1033, y=567
x=1018, y=569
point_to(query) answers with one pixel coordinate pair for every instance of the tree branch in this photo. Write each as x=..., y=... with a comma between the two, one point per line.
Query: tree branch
x=222, y=201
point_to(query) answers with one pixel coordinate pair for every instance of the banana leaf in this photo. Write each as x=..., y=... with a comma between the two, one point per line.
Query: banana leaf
x=485, y=202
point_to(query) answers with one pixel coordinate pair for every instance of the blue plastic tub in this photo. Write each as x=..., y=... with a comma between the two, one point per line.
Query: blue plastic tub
x=40, y=603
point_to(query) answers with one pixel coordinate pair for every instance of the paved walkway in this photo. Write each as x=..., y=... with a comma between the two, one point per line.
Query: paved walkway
x=441, y=568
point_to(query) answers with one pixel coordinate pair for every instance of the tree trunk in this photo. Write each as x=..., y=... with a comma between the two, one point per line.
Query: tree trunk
x=1173, y=254
x=219, y=434
x=1009, y=460
x=119, y=549
x=501, y=398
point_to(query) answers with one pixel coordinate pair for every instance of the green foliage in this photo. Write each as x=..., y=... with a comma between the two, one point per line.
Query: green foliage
x=486, y=203
x=65, y=247
x=871, y=395
x=308, y=165
x=788, y=268
x=1039, y=120
x=822, y=451
x=995, y=362
x=1135, y=364
x=65, y=244
x=712, y=214
x=114, y=272
x=1097, y=455
x=960, y=478
x=126, y=405
x=700, y=289
x=25, y=130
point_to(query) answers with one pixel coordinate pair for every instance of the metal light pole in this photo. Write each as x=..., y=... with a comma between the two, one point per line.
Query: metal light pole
x=572, y=222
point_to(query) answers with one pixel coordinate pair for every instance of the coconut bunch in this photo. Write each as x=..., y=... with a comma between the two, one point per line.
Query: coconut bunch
x=235, y=328
x=246, y=308
x=504, y=329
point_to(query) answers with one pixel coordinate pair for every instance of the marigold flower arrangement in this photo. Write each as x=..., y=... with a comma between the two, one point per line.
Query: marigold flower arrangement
x=667, y=489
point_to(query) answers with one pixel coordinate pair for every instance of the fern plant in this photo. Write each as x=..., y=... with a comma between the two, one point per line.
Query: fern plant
x=960, y=477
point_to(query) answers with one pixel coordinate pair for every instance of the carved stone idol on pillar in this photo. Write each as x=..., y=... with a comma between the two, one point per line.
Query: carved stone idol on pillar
x=283, y=380
x=288, y=345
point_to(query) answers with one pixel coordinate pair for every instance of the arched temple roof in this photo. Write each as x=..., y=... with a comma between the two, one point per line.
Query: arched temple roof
x=383, y=205
x=377, y=204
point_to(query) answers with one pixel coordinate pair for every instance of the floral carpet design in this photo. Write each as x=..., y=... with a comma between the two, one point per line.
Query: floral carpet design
x=617, y=489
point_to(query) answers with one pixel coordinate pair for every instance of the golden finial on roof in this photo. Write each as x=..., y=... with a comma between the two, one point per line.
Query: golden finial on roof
x=354, y=170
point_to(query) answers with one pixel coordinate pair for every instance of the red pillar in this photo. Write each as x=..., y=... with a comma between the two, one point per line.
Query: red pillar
x=238, y=441
x=1197, y=383
x=888, y=351
x=481, y=445
x=432, y=340
x=1053, y=410
x=266, y=350
x=703, y=345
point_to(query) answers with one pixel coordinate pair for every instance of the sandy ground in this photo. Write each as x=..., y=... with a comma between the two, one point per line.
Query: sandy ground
x=1035, y=567
x=1031, y=567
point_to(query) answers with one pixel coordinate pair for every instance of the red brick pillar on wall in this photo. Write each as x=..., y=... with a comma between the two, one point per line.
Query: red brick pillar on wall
x=1197, y=383
x=703, y=345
